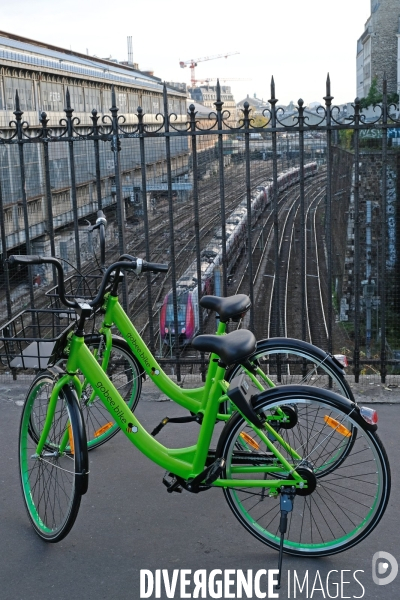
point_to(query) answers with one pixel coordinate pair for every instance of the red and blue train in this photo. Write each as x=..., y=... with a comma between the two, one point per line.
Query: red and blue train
x=187, y=289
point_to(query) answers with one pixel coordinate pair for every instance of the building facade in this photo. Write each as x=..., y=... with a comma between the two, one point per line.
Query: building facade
x=258, y=105
x=378, y=48
x=207, y=96
x=42, y=74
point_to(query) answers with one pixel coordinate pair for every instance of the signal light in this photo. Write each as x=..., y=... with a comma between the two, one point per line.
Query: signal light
x=369, y=414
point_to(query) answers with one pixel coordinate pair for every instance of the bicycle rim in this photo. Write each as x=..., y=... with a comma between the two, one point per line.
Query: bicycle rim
x=347, y=503
x=52, y=483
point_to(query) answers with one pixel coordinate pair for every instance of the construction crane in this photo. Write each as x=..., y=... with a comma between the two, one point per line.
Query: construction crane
x=208, y=80
x=192, y=63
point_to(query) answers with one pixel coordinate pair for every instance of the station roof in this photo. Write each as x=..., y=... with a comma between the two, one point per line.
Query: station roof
x=36, y=54
x=201, y=110
x=253, y=101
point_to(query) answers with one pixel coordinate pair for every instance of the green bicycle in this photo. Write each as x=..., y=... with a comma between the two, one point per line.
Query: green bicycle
x=277, y=361
x=320, y=511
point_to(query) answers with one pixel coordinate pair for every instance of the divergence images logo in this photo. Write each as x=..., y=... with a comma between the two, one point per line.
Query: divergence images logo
x=385, y=564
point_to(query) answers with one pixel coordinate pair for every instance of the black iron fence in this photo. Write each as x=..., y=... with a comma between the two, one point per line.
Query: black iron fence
x=296, y=208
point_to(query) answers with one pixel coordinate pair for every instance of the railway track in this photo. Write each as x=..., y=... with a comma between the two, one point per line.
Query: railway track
x=315, y=262
x=290, y=322
x=209, y=217
x=263, y=259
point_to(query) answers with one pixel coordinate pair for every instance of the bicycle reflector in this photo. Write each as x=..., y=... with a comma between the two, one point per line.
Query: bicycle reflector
x=342, y=358
x=249, y=440
x=71, y=440
x=337, y=426
x=369, y=414
x=103, y=429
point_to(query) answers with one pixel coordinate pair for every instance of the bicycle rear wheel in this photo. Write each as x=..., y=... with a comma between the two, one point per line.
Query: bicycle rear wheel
x=285, y=361
x=53, y=482
x=347, y=502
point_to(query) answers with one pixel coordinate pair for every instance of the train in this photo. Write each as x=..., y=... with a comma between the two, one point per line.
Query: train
x=187, y=288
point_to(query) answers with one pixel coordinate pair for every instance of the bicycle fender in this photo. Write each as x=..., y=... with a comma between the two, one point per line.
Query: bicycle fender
x=76, y=414
x=128, y=350
x=285, y=343
x=94, y=338
x=293, y=392
x=83, y=477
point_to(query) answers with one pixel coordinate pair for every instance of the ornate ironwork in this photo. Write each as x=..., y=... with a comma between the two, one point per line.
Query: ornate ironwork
x=104, y=133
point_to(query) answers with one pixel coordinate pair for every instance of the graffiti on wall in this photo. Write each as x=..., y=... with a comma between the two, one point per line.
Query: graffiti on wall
x=391, y=217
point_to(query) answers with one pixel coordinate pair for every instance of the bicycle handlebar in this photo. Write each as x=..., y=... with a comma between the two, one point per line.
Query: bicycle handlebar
x=147, y=266
x=135, y=264
x=101, y=218
x=101, y=223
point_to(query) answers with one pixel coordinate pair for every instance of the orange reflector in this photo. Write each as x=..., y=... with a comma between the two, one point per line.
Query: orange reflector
x=103, y=429
x=337, y=426
x=249, y=440
x=71, y=440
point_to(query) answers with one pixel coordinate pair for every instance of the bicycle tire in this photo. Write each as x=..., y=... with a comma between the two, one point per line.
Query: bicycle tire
x=52, y=483
x=335, y=516
x=287, y=361
x=126, y=374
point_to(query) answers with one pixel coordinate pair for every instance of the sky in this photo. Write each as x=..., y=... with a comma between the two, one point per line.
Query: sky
x=297, y=43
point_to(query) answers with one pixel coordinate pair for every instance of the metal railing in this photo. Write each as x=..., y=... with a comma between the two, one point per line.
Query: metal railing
x=169, y=184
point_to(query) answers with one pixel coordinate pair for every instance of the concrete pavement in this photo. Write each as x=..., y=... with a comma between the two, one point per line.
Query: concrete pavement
x=128, y=522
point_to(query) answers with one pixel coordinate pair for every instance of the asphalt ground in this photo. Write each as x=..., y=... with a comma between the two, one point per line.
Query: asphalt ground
x=128, y=522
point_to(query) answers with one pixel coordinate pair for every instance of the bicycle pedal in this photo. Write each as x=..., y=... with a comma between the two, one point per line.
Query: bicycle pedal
x=215, y=471
x=204, y=480
x=172, y=484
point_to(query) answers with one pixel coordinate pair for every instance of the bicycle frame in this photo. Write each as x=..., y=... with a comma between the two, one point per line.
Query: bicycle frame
x=183, y=462
x=192, y=399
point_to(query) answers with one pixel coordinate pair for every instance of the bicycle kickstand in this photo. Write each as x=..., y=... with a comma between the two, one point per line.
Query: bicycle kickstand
x=286, y=500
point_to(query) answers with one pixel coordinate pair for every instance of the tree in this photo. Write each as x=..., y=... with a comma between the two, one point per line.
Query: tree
x=346, y=138
x=259, y=121
x=375, y=96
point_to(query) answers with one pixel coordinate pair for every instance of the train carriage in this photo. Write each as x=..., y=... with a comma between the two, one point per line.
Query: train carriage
x=211, y=257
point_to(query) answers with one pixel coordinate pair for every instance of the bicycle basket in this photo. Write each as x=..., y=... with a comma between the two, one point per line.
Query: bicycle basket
x=76, y=286
x=27, y=341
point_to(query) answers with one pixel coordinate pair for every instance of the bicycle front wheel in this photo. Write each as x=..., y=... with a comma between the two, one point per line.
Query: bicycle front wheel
x=126, y=375
x=53, y=481
x=346, y=504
